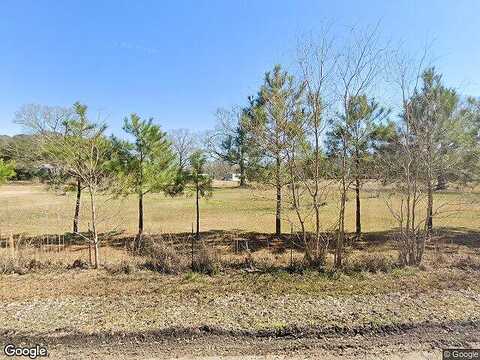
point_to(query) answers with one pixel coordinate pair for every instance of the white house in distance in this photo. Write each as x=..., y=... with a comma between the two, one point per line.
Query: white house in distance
x=232, y=177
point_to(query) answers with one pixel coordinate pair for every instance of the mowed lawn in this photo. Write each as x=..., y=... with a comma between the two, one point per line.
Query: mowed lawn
x=34, y=209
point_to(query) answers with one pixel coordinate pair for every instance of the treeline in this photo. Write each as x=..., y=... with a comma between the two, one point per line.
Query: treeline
x=320, y=126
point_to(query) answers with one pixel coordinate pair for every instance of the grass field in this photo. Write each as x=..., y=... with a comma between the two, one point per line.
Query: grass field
x=32, y=209
x=110, y=312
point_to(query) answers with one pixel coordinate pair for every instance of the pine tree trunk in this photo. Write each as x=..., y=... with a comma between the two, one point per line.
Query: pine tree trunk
x=242, y=173
x=76, y=217
x=278, y=214
x=140, y=220
x=198, y=211
x=429, y=220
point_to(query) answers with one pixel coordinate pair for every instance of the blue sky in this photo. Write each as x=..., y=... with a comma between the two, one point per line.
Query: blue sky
x=178, y=61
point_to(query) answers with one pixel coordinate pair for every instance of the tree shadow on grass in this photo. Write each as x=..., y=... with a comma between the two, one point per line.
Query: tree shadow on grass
x=239, y=240
x=459, y=236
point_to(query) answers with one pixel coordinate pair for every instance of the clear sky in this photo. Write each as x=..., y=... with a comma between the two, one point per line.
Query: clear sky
x=178, y=61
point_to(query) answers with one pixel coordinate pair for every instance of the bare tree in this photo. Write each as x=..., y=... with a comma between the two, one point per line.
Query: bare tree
x=358, y=67
x=184, y=144
x=402, y=165
x=434, y=141
x=317, y=61
x=47, y=123
x=229, y=141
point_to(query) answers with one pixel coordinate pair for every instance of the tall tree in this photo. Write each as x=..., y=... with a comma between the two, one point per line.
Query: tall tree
x=358, y=134
x=269, y=117
x=79, y=127
x=85, y=155
x=433, y=109
x=145, y=165
x=358, y=67
x=317, y=62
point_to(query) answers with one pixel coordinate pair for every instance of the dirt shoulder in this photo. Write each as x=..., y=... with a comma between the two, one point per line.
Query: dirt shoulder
x=144, y=315
x=420, y=342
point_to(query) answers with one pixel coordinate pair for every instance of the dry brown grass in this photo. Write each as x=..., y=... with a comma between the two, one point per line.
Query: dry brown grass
x=236, y=224
x=255, y=282
x=31, y=209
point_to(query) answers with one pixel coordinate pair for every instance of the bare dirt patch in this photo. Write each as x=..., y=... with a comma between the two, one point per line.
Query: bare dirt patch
x=93, y=314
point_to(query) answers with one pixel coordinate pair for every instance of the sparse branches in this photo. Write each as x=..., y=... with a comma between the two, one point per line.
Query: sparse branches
x=317, y=62
x=47, y=124
x=84, y=152
x=358, y=67
x=184, y=144
x=229, y=142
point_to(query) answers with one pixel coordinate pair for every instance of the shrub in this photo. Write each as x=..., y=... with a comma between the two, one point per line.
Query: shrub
x=206, y=262
x=10, y=265
x=163, y=258
x=296, y=267
x=371, y=262
x=79, y=264
x=124, y=267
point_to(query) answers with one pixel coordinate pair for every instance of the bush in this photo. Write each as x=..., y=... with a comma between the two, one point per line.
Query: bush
x=163, y=258
x=79, y=264
x=124, y=267
x=22, y=265
x=370, y=262
x=296, y=266
x=10, y=265
x=206, y=262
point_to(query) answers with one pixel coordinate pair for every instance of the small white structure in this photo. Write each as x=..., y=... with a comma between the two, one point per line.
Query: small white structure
x=232, y=177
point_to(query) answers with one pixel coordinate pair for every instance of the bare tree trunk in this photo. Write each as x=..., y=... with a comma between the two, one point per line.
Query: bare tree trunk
x=94, y=229
x=429, y=219
x=197, y=210
x=278, y=214
x=341, y=232
x=321, y=254
x=296, y=205
x=97, y=258
x=76, y=217
x=358, y=222
x=341, y=217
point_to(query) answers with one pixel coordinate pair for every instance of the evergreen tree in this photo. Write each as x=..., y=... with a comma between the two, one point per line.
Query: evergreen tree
x=145, y=165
